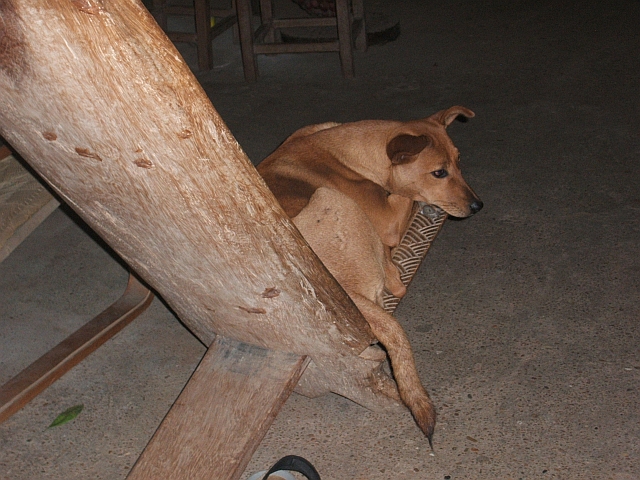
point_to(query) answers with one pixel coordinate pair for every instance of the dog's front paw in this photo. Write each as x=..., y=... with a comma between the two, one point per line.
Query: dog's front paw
x=424, y=413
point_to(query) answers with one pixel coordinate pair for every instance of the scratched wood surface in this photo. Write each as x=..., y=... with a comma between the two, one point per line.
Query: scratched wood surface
x=98, y=101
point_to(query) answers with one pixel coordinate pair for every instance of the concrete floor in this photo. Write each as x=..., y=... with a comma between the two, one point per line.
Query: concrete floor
x=524, y=318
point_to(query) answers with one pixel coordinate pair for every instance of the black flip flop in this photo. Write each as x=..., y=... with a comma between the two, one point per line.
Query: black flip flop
x=293, y=463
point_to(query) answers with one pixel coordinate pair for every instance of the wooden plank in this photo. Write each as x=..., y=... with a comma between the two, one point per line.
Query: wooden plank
x=25, y=386
x=344, y=38
x=203, y=33
x=359, y=30
x=266, y=18
x=304, y=22
x=222, y=414
x=223, y=25
x=245, y=31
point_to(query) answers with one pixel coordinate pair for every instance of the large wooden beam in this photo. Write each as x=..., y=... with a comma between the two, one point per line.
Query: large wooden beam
x=96, y=98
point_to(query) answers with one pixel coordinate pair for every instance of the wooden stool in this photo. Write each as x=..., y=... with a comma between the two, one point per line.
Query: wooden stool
x=348, y=22
x=205, y=32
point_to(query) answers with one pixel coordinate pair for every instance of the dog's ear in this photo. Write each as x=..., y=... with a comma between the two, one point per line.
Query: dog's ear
x=445, y=117
x=404, y=148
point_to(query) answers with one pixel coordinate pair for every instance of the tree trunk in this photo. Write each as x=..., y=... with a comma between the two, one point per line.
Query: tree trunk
x=99, y=102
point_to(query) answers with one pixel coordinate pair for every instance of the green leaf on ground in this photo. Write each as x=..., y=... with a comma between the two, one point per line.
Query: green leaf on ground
x=66, y=416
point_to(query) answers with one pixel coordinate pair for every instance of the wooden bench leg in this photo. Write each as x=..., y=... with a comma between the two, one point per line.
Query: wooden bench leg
x=203, y=34
x=25, y=386
x=245, y=30
x=344, y=38
x=222, y=414
x=266, y=17
x=359, y=29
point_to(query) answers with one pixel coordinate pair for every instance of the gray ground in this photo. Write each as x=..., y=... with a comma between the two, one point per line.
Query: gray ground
x=524, y=319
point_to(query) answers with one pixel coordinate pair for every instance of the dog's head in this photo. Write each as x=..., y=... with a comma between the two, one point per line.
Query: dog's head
x=425, y=165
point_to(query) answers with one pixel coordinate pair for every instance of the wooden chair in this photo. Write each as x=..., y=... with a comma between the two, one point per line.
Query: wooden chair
x=348, y=22
x=171, y=191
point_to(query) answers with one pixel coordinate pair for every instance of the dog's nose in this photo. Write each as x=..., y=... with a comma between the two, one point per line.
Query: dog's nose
x=476, y=206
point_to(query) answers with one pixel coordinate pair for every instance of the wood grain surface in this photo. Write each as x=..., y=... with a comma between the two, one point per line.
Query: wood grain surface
x=99, y=102
x=222, y=414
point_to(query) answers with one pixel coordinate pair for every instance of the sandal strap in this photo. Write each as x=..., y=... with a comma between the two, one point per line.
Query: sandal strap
x=294, y=463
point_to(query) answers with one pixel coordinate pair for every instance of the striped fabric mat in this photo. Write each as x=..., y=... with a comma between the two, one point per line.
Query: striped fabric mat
x=425, y=225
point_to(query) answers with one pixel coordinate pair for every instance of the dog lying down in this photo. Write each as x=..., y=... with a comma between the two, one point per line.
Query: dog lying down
x=350, y=190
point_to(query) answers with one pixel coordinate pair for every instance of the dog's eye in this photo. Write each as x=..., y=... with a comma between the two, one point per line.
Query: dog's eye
x=440, y=173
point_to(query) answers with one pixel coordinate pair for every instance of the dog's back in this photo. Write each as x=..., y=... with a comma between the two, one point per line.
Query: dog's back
x=309, y=159
x=304, y=162
x=383, y=165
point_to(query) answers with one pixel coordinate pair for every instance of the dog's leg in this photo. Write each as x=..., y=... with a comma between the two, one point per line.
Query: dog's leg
x=391, y=334
x=392, y=281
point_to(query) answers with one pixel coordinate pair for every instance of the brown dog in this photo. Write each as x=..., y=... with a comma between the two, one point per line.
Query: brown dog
x=342, y=235
x=373, y=172
x=382, y=165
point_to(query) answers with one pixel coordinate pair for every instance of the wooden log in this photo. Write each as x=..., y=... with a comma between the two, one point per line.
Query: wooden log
x=96, y=98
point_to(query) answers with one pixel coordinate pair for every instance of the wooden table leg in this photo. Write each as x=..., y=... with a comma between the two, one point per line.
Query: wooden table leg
x=245, y=30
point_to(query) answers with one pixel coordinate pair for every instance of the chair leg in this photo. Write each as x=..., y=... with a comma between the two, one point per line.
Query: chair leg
x=34, y=379
x=358, y=19
x=245, y=30
x=236, y=34
x=344, y=38
x=203, y=33
x=266, y=16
